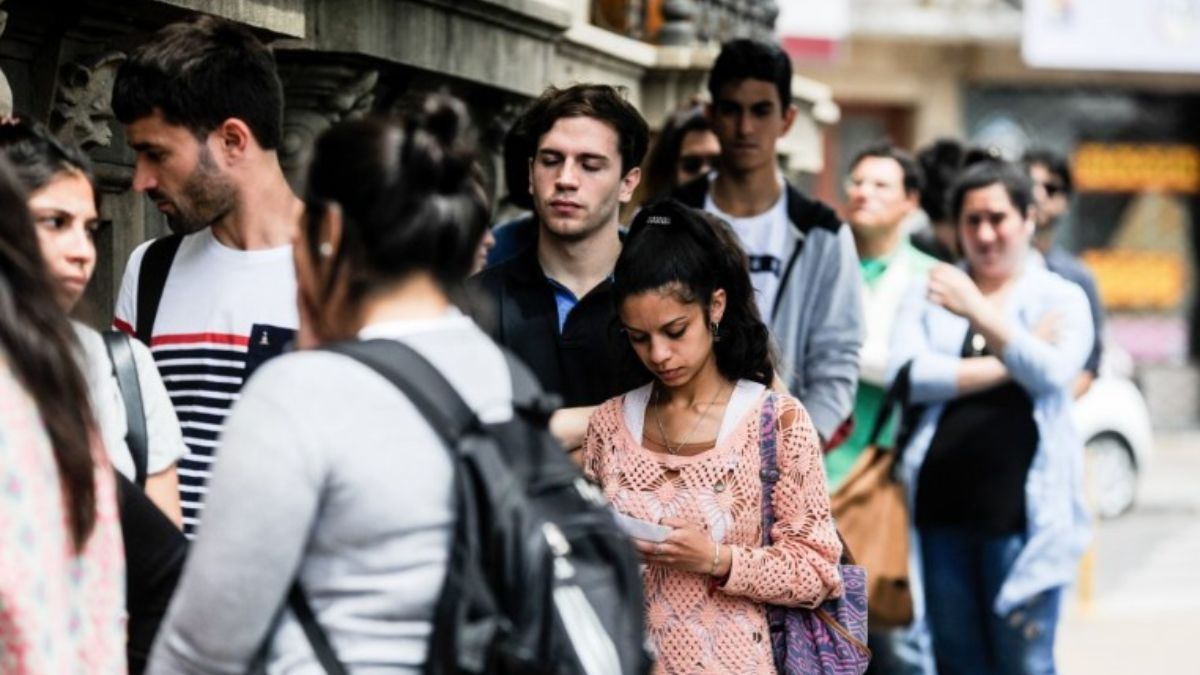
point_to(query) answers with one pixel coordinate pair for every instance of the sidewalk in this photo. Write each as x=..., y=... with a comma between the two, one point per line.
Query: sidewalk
x=1144, y=614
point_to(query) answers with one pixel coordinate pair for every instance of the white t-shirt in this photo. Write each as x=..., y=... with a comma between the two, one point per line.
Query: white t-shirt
x=223, y=313
x=765, y=238
x=164, y=440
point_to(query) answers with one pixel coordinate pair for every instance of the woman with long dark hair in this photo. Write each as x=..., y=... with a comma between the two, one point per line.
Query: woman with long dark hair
x=328, y=474
x=994, y=467
x=61, y=567
x=681, y=452
x=64, y=204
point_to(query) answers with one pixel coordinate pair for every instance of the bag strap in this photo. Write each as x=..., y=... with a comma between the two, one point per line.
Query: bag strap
x=768, y=440
x=316, y=635
x=120, y=354
x=152, y=278
x=897, y=394
x=769, y=469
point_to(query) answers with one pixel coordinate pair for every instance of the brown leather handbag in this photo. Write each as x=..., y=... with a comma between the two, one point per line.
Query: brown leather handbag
x=872, y=513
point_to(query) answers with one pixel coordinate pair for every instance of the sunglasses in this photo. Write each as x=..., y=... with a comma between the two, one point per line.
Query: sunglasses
x=1053, y=189
x=693, y=164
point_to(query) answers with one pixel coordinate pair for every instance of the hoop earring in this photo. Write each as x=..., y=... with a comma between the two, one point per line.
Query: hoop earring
x=716, y=331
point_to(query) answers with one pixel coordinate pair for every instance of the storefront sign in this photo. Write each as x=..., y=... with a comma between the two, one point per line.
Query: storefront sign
x=1139, y=35
x=1137, y=167
x=1138, y=280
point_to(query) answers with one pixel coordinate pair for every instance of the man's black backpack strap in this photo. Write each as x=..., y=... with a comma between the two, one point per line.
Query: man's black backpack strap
x=120, y=353
x=152, y=278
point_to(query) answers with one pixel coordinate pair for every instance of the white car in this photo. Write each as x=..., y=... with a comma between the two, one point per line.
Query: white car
x=1114, y=423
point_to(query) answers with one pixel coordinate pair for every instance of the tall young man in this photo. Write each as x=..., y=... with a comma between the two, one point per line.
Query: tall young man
x=552, y=304
x=1051, y=195
x=883, y=189
x=202, y=106
x=802, y=259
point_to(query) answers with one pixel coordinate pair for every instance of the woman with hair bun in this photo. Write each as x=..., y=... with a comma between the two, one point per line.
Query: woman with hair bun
x=327, y=473
x=681, y=451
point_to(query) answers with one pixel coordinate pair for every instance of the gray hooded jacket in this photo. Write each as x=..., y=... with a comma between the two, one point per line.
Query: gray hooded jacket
x=817, y=320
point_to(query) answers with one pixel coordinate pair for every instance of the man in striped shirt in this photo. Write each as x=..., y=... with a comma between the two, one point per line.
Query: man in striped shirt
x=202, y=106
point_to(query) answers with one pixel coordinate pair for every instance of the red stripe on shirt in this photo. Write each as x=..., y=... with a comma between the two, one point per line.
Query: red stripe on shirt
x=194, y=338
x=123, y=326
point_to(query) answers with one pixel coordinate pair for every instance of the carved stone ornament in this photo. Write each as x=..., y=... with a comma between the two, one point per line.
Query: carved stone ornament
x=82, y=112
x=317, y=97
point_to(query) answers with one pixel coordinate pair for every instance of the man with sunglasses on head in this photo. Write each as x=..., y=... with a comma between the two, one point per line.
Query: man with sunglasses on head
x=1052, y=189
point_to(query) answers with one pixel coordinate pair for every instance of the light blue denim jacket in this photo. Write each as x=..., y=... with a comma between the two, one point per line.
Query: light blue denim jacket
x=932, y=338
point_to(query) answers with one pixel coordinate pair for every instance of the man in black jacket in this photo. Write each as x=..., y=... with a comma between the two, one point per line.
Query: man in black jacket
x=552, y=303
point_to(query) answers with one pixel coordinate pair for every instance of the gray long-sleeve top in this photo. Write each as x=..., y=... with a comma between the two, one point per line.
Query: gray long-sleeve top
x=327, y=470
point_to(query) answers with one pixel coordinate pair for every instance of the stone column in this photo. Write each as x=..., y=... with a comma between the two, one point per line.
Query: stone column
x=6, y=95
x=317, y=96
x=768, y=13
x=679, y=28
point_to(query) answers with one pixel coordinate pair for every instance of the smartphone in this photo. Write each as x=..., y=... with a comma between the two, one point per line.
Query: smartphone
x=641, y=529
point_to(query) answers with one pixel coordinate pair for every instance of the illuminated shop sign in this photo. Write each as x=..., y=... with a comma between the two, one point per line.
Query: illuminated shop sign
x=1137, y=167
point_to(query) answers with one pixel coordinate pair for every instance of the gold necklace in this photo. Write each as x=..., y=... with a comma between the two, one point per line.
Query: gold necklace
x=663, y=432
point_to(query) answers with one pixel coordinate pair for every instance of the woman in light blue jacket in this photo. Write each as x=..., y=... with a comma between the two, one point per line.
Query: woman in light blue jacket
x=994, y=465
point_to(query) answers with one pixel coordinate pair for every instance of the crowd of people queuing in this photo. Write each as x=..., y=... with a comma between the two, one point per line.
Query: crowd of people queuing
x=732, y=308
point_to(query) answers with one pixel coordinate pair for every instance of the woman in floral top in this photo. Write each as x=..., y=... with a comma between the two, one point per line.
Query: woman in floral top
x=62, y=576
x=682, y=451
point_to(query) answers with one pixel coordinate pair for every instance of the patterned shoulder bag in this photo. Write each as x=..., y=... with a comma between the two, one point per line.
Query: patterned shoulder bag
x=829, y=639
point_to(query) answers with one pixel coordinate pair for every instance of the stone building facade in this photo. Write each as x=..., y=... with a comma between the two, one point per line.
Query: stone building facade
x=341, y=59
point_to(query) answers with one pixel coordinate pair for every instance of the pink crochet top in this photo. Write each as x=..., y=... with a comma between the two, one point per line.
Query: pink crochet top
x=694, y=628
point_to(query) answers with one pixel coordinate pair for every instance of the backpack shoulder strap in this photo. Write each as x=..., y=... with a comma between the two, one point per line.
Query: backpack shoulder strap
x=152, y=278
x=897, y=394
x=527, y=392
x=317, y=638
x=120, y=353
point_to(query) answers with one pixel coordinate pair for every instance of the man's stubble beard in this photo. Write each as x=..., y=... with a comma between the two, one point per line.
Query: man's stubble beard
x=592, y=228
x=206, y=196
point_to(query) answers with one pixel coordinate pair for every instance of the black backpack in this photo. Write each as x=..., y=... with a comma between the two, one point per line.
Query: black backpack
x=540, y=578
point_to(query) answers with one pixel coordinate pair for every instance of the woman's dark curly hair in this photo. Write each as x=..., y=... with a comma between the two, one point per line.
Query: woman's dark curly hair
x=671, y=247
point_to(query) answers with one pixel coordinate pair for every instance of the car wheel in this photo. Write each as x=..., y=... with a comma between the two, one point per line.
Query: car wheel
x=1110, y=475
